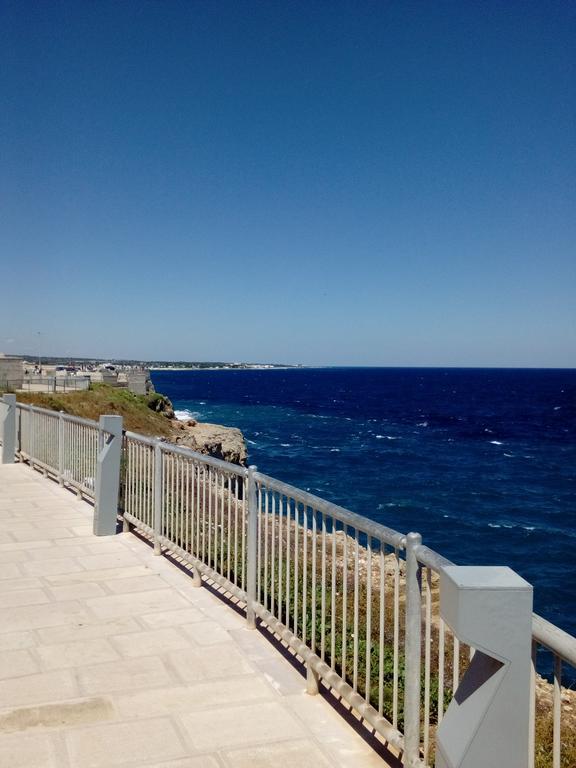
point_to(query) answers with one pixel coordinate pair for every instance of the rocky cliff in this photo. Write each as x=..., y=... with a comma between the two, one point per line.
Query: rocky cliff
x=226, y=443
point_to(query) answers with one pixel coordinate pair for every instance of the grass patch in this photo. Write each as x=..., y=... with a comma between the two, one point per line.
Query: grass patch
x=138, y=412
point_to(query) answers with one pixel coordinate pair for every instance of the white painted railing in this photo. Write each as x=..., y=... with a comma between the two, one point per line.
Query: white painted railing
x=357, y=603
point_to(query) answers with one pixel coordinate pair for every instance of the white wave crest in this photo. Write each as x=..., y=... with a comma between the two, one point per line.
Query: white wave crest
x=496, y=442
x=186, y=415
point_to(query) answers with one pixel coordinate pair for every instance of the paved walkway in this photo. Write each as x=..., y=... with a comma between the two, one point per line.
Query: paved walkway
x=110, y=657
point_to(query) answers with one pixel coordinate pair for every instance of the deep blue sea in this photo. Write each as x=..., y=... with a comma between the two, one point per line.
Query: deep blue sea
x=482, y=462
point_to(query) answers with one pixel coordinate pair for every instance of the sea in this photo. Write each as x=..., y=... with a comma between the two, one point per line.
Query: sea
x=481, y=462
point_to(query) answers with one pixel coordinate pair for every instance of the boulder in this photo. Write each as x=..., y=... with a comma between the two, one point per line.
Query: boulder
x=226, y=443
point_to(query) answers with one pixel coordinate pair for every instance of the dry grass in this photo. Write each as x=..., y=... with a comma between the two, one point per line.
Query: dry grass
x=102, y=399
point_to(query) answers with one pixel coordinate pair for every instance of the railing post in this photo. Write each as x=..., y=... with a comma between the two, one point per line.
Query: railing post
x=251, y=549
x=108, y=475
x=488, y=721
x=8, y=429
x=412, y=650
x=157, y=497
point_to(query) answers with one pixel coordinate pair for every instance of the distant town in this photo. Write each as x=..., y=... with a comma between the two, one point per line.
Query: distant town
x=95, y=363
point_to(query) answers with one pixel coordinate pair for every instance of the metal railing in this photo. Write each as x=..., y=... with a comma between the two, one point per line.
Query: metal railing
x=63, y=446
x=358, y=603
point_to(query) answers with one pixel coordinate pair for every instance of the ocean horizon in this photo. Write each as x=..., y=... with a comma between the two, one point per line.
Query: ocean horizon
x=480, y=461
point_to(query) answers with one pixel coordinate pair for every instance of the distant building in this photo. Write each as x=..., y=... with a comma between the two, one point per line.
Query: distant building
x=11, y=371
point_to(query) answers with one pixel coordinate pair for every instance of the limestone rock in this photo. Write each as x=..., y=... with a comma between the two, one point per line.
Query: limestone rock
x=226, y=443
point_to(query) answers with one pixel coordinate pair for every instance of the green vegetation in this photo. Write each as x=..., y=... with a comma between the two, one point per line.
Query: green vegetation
x=143, y=414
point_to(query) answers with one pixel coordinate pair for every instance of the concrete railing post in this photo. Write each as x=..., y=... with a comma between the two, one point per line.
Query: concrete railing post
x=157, y=497
x=488, y=720
x=412, y=650
x=108, y=475
x=251, y=549
x=8, y=427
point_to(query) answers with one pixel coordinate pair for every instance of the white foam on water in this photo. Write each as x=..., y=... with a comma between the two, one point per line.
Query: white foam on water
x=422, y=424
x=496, y=442
x=385, y=437
x=286, y=445
x=186, y=415
x=334, y=450
x=494, y=525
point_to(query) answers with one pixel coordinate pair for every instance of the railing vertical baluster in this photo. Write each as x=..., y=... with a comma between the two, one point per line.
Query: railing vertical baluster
x=427, y=650
x=273, y=555
x=368, y=618
x=333, y=600
x=556, y=738
x=396, y=639
x=304, y=571
x=265, y=527
x=381, y=638
x=296, y=589
x=323, y=592
x=344, y=601
x=412, y=646
x=441, y=662
x=158, y=495
x=251, y=556
x=356, y=609
x=288, y=560
x=280, y=554
x=532, y=721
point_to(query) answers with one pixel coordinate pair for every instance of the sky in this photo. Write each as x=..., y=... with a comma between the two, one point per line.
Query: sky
x=326, y=183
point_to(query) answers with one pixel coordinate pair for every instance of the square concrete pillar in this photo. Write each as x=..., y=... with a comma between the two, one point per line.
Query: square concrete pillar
x=486, y=724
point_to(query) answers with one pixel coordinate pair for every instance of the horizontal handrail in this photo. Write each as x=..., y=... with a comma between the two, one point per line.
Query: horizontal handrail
x=358, y=522
x=190, y=453
x=554, y=639
x=56, y=414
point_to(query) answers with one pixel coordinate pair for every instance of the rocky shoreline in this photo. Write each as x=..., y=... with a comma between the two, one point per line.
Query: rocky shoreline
x=216, y=440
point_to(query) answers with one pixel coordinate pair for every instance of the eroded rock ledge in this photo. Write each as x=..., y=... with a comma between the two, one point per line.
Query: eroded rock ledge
x=226, y=443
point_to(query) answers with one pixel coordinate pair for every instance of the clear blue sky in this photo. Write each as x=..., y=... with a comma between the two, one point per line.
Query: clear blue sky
x=364, y=183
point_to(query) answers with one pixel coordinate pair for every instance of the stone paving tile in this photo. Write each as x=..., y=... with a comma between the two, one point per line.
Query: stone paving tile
x=150, y=642
x=195, y=664
x=104, y=746
x=197, y=696
x=58, y=551
x=27, y=751
x=76, y=591
x=37, y=689
x=173, y=618
x=251, y=724
x=81, y=631
x=23, y=597
x=135, y=603
x=76, y=654
x=295, y=754
x=136, y=584
x=125, y=675
x=9, y=570
x=16, y=663
x=36, y=616
x=15, y=640
x=206, y=633
x=48, y=567
x=110, y=560
x=202, y=761
x=103, y=575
